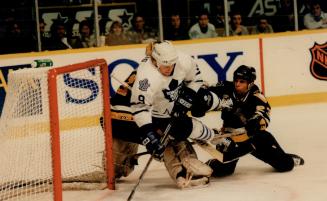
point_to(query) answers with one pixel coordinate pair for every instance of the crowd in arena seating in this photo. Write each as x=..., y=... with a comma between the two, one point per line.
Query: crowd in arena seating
x=16, y=38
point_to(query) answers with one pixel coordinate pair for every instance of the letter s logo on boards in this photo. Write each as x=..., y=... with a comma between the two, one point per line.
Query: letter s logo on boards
x=79, y=83
x=91, y=85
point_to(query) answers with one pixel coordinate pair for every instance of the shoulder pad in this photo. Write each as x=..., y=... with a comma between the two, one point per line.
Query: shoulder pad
x=255, y=89
x=261, y=97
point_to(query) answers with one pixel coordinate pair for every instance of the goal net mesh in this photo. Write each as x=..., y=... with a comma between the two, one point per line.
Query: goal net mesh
x=26, y=167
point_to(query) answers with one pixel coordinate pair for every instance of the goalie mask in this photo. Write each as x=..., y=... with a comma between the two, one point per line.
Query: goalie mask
x=164, y=53
x=245, y=73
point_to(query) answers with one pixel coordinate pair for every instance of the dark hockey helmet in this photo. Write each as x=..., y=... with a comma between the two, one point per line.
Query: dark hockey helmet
x=245, y=73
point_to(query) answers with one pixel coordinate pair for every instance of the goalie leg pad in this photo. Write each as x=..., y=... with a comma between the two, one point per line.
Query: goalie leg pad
x=190, y=160
x=124, y=160
x=184, y=167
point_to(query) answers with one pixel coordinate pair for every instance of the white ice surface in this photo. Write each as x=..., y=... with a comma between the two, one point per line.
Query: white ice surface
x=299, y=129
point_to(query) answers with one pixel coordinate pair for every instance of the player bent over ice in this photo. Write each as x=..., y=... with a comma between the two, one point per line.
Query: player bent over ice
x=250, y=109
x=180, y=158
x=167, y=81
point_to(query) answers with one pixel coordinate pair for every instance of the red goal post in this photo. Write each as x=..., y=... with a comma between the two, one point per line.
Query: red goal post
x=54, y=121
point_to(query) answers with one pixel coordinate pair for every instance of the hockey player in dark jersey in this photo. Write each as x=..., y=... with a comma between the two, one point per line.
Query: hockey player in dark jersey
x=126, y=138
x=250, y=109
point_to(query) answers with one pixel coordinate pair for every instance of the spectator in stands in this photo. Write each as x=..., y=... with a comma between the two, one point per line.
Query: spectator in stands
x=316, y=19
x=117, y=35
x=86, y=38
x=203, y=28
x=140, y=32
x=236, y=27
x=42, y=25
x=15, y=39
x=284, y=17
x=304, y=8
x=218, y=14
x=263, y=26
x=175, y=30
x=43, y=37
x=58, y=39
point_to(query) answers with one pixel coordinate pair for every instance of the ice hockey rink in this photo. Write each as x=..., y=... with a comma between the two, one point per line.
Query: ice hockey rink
x=299, y=129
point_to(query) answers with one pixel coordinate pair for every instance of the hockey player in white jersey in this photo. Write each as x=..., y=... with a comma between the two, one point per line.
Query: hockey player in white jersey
x=167, y=82
x=166, y=85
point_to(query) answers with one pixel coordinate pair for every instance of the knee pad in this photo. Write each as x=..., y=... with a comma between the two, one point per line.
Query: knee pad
x=183, y=166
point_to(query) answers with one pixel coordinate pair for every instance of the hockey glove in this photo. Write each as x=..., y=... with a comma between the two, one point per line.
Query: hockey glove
x=226, y=103
x=151, y=140
x=253, y=125
x=184, y=102
x=224, y=144
x=202, y=103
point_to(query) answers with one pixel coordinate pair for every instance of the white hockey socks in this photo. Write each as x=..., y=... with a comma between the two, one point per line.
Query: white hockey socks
x=201, y=131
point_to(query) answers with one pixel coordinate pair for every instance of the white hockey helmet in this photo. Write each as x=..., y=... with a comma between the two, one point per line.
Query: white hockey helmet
x=164, y=53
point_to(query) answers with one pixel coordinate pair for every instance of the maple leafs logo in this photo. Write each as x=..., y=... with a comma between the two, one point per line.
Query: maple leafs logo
x=171, y=93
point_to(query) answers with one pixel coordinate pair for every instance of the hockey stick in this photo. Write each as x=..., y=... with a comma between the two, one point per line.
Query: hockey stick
x=213, y=151
x=163, y=141
x=121, y=82
x=232, y=132
x=137, y=155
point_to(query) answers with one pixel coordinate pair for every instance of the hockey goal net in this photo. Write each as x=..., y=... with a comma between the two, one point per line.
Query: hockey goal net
x=51, y=137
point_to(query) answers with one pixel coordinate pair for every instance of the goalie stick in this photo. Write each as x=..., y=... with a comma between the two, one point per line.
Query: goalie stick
x=213, y=151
